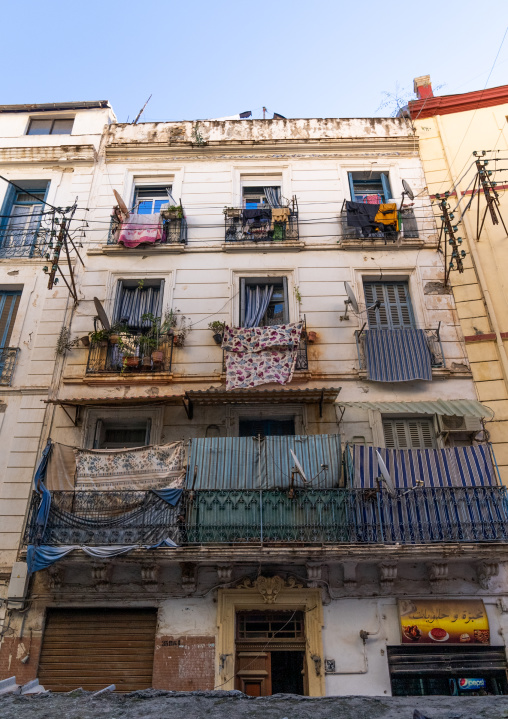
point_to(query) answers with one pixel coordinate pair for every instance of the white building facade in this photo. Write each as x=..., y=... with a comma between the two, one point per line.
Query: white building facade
x=316, y=579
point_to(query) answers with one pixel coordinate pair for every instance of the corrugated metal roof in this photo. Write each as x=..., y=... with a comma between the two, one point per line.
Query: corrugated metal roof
x=449, y=407
x=246, y=396
x=136, y=399
x=249, y=463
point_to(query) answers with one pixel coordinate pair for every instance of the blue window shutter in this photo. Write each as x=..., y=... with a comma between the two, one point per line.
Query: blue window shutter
x=7, y=206
x=9, y=302
x=351, y=186
x=286, y=302
x=386, y=187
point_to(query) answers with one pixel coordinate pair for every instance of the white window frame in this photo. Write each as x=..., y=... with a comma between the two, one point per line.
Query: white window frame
x=268, y=176
x=114, y=277
x=135, y=414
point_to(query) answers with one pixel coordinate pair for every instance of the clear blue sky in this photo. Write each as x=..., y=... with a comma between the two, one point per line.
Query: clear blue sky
x=210, y=58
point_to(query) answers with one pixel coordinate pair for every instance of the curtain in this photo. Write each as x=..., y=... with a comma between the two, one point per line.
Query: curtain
x=272, y=194
x=135, y=302
x=257, y=299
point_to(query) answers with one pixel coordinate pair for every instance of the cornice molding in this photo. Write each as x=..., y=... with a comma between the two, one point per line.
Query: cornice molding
x=59, y=154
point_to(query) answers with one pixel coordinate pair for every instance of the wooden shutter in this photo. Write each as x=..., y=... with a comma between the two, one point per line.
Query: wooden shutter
x=92, y=648
x=9, y=303
x=395, y=312
x=351, y=186
x=409, y=434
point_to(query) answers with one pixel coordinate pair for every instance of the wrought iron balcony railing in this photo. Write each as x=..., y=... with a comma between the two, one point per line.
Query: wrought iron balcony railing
x=437, y=358
x=25, y=243
x=408, y=230
x=173, y=231
x=8, y=357
x=128, y=354
x=423, y=515
x=242, y=225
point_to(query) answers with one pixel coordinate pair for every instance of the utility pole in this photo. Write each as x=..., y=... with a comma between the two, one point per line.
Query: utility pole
x=449, y=230
x=484, y=184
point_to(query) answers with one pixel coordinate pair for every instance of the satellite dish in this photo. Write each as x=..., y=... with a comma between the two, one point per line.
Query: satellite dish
x=351, y=300
x=121, y=203
x=386, y=475
x=407, y=191
x=101, y=314
x=298, y=466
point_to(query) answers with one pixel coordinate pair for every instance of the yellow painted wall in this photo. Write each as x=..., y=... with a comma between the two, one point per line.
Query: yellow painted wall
x=447, y=143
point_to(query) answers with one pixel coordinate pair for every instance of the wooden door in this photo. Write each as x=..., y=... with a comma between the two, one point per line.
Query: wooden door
x=253, y=673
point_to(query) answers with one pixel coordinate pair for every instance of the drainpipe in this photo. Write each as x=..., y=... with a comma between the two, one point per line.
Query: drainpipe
x=477, y=266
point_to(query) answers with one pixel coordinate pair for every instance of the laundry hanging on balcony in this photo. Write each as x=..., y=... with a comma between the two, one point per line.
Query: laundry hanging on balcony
x=140, y=229
x=449, y=467
x=260, y=355
x=154, y=467
x=399, y=355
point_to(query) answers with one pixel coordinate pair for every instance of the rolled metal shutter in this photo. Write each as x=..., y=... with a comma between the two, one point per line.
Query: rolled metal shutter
x=92, y=648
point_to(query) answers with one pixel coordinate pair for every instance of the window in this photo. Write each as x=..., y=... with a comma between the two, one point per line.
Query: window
x=121, y=434
x=369, y=187
x=9, y=303
x=409, y=434
x=134, y=298
x=266, y=427
x=51, y=126
x=149, y=200
x=255, y=197
x=21, y=217
x=263, y=301
x=395, y=311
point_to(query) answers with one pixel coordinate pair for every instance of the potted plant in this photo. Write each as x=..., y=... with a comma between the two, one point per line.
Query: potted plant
x=130, y=361
x=116, y=330
x=234, y=212
x=100, y=337
x=217, y=328
x=172, y=212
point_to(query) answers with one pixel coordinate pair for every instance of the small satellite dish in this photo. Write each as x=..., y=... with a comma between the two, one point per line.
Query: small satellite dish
x=120, y=202
x=407, y=191
x=298, y=466
x=101, y=314
x=386, y=475
x=351, y=300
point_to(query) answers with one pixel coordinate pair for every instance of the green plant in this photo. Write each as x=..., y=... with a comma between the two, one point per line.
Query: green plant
x=178, y=209
x=100, y=336
x=298, y=295
x=217, y=327
x=64, y=342
x=169, y=321
x=141, y=284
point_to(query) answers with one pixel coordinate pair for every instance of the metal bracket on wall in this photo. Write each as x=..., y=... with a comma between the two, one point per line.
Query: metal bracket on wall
x=188, y=406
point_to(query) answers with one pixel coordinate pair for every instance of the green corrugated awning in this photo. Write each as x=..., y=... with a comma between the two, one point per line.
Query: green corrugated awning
x=448, y=407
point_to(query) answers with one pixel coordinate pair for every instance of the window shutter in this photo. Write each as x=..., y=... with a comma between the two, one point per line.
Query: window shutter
x=408, y=434
x=98, y=434
x=395, y=312
x=9, y=303
x=389, y=436
x=427, y=432
x=286, y=303
x=386, y=186
x=377, y=317
x=148, y=431
x=351, y=186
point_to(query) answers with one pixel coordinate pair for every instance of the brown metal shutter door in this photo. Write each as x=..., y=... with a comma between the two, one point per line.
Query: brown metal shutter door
x=92, y=648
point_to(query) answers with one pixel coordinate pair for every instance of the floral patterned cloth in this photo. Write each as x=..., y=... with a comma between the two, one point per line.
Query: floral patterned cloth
x=140, y=229
x=153, y=467
x=260, y=355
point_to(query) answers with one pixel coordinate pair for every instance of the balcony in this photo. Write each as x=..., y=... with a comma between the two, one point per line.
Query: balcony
x=127, y=355
x=302, y=360
x=422, y=516
x=408, y=231
x=25, y=243
x=174, y=231
x=254, y=226
x=432, y=341
x=8, y=357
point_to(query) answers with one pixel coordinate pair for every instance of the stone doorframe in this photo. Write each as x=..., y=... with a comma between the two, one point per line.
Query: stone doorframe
x=263, y=594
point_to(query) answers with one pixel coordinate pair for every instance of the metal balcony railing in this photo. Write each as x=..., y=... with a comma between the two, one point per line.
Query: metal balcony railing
x=173, y=231
x=240, y=227
x=423, y=515
x=25, y=243
x=8, y=357
x=408, y=230
x=437, y=358
x=128, y=355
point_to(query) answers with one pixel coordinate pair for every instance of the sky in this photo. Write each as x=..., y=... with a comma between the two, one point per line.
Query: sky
x=202, y=59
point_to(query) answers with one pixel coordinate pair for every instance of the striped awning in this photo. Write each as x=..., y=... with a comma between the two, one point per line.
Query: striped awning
x=448, y=407
x=450, y=467
x=399, y=355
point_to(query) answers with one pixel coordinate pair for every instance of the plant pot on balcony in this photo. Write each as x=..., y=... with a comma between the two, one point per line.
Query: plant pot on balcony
x=113, y=339
x=217, y=338
x=146, y=362
x=85, y=341
x=311, y=337
x=131, y=362
x=233, y=212
x=158, y=356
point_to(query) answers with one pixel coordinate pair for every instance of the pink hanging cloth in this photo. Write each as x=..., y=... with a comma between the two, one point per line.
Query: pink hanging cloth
x=140, y=229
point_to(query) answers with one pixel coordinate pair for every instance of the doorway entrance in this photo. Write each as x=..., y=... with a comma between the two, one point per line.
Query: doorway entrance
x=270, y=653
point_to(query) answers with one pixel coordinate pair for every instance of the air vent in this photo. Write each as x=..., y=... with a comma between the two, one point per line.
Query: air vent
x=452, y=422
x=448, y=423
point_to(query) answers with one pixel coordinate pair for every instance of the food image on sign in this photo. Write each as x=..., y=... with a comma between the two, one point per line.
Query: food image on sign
x=425, y=621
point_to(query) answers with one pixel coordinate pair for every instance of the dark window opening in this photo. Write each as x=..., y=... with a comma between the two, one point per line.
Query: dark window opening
x=121, y=434
x=266, y=427
x=267, y=625
x=287, y=672
x=263, y=301
x=134, y=298
x=369, y=187
x=255, y=197
x=51, y=126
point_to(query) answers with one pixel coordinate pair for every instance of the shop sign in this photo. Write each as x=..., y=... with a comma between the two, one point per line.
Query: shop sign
x=428, y=621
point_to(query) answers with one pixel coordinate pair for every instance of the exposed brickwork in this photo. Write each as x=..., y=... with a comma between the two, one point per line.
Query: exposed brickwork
x=12, y=651
x=184, y=663
x=481, y=338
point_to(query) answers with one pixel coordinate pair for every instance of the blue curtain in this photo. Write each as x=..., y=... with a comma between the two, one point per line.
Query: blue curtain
x=273, y=195
x=257, y=299
x=135, y=302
